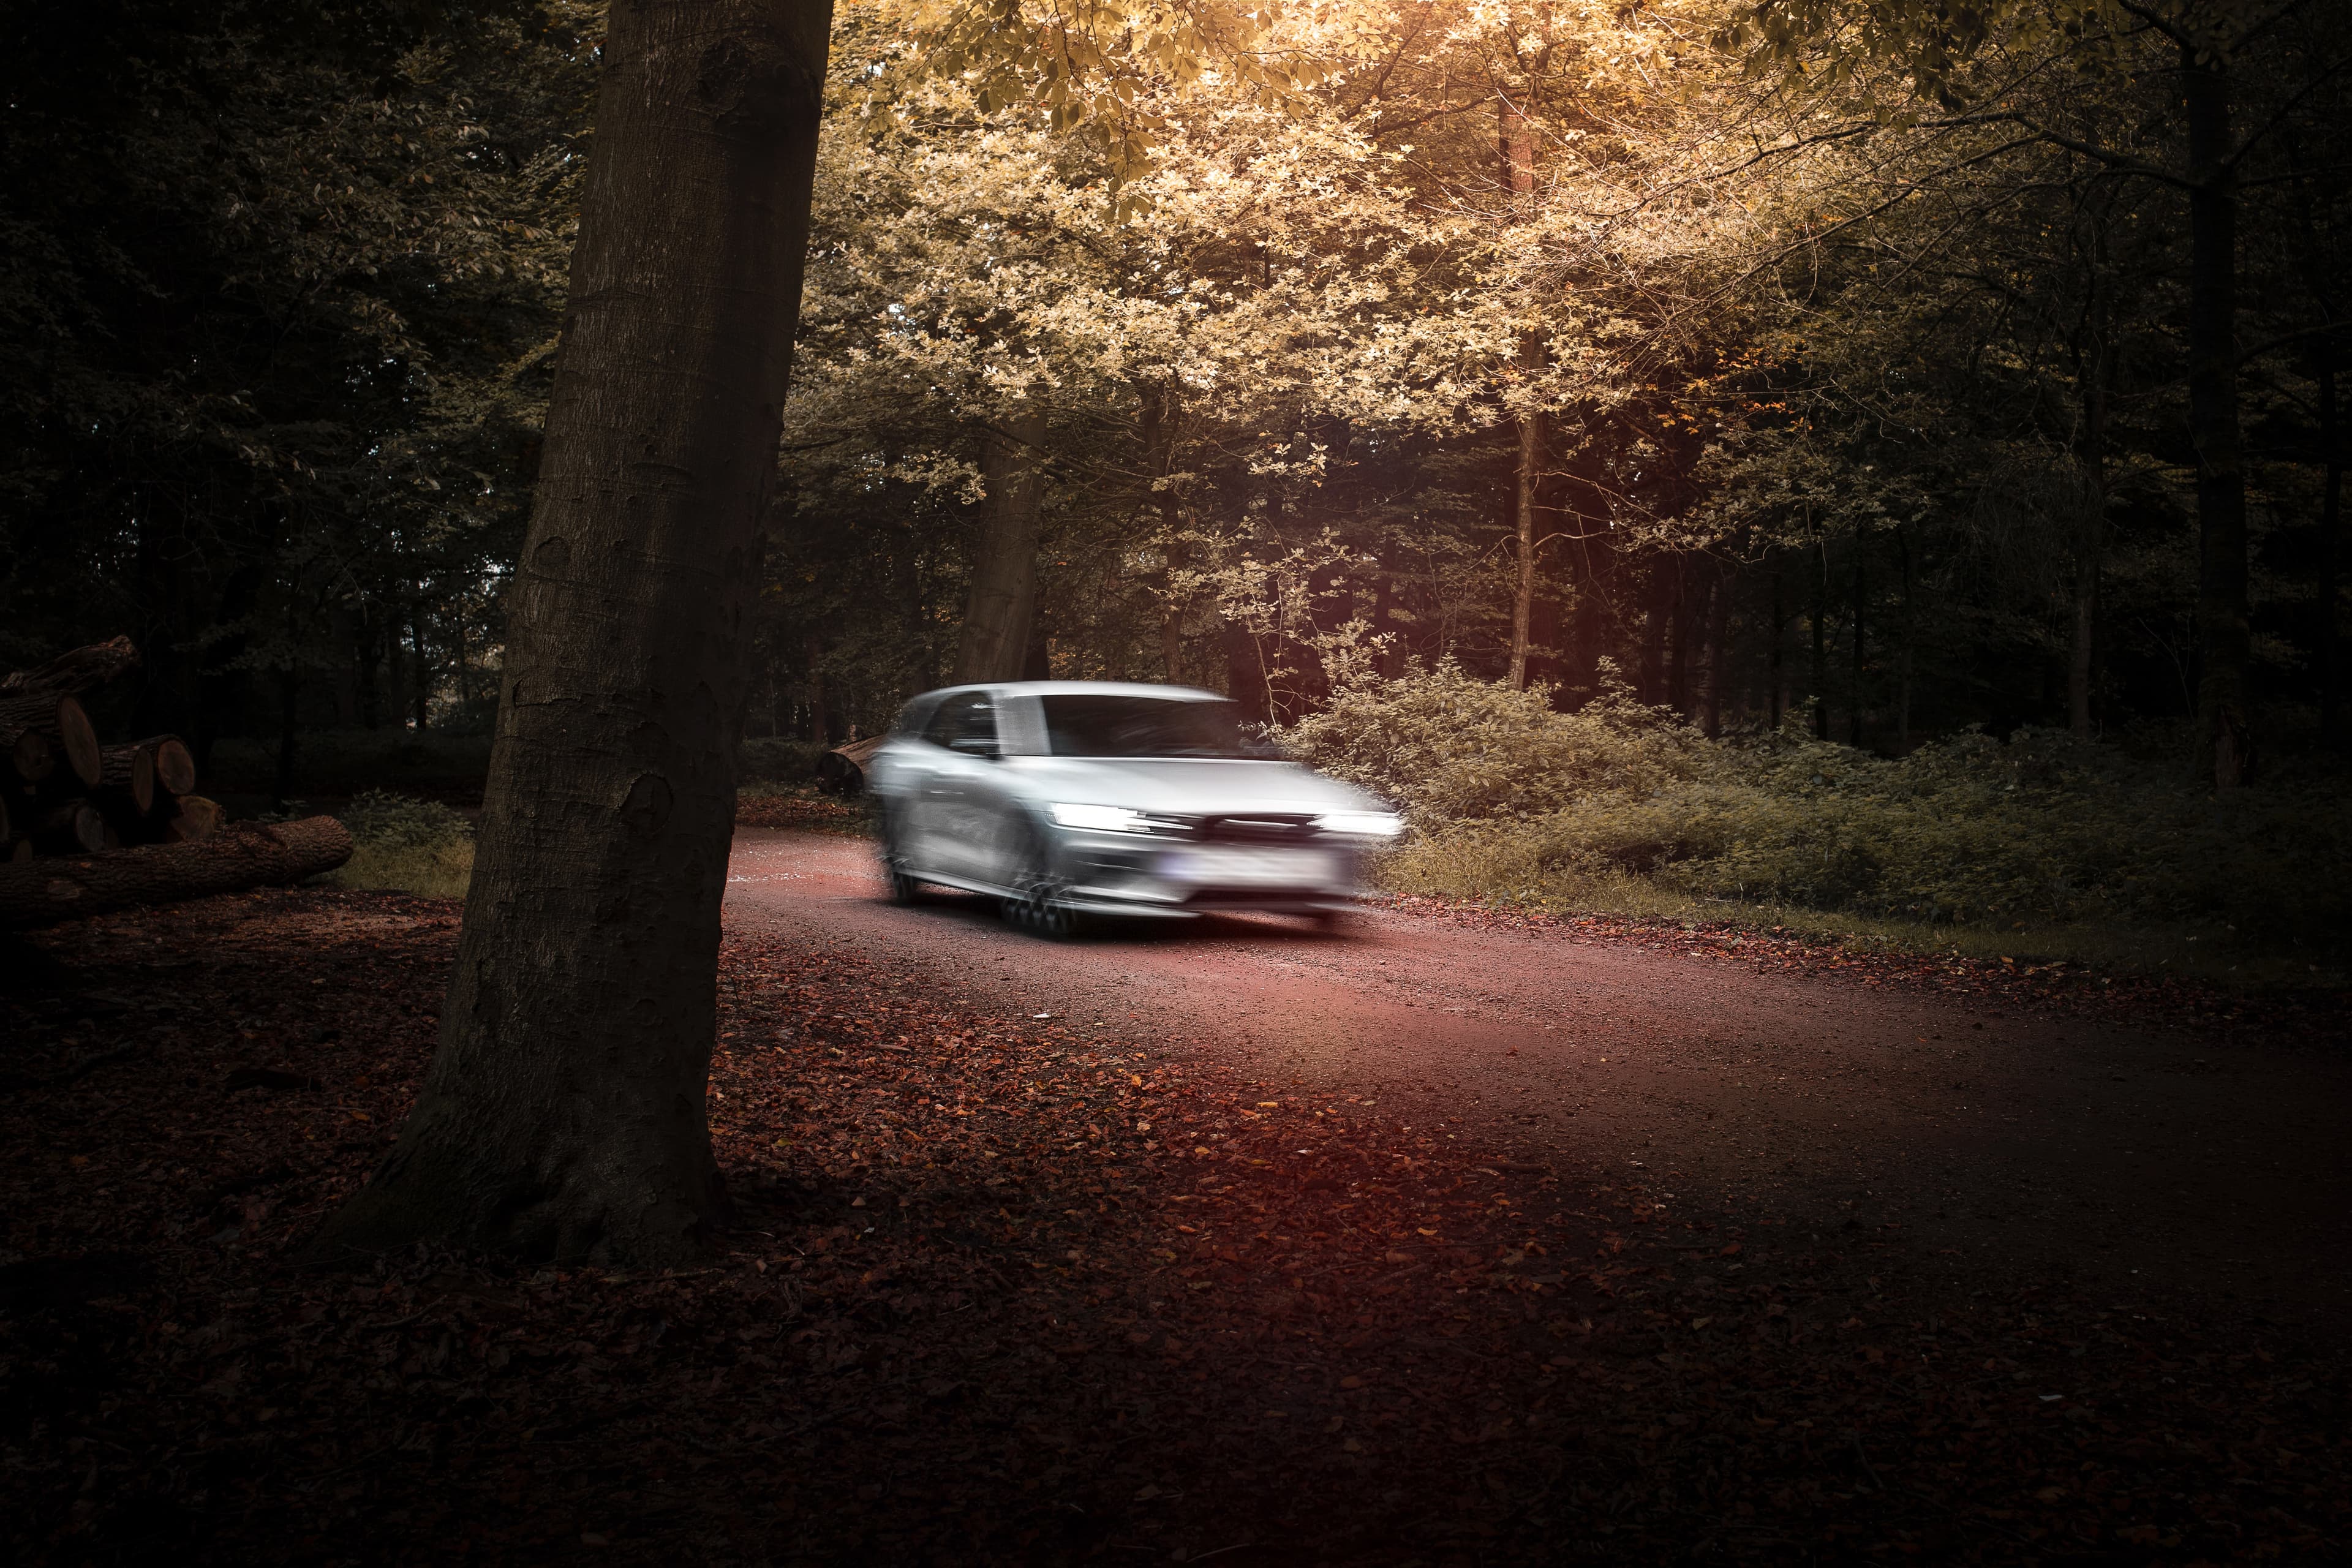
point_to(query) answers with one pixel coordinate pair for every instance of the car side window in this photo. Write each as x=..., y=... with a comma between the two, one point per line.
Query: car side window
x=966, y=723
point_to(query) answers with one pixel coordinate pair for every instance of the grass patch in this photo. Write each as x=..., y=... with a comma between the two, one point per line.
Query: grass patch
x=1497, y=873
x=403, y=844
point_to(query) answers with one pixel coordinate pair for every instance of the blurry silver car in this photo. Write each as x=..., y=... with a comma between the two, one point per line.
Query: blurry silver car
x=1064, y=799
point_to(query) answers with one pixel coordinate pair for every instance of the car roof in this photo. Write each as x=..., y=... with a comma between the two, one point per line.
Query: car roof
x=1083, y=689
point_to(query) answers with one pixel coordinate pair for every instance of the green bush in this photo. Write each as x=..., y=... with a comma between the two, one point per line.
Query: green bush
x=403, y=844
x=1505, y=796
x=1450, y=748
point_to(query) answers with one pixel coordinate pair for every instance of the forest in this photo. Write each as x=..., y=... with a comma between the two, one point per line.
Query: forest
x=1889, y=396
x=1822, y=519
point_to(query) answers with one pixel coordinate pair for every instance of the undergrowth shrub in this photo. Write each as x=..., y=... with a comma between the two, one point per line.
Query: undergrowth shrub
x=1450, y=748
x=404, y=844
x=1507, y=795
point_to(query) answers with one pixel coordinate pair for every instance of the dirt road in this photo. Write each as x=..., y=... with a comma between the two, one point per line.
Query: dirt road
x=2146, y=1163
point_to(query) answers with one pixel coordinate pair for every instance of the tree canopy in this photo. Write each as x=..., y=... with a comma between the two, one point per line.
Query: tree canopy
x=1816, y=359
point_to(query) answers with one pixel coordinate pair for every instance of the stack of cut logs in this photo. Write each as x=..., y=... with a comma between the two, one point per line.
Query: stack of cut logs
x=86, y=828
x=65, y=794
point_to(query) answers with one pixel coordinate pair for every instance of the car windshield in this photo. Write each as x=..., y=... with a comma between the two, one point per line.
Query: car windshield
x=1109, y=726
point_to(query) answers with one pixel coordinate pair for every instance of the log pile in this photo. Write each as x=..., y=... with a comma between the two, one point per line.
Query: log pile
x=86, y=826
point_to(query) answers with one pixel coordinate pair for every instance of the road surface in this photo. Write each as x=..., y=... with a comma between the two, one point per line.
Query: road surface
x=2140, y=1160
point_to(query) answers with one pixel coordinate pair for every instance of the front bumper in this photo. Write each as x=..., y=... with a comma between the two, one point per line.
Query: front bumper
x=1127, y=873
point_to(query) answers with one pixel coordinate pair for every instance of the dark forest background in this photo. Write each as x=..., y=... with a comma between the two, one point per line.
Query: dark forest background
x=1908, y=449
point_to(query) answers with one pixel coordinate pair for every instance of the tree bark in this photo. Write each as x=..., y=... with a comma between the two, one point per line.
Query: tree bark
x=563, y=1114
x=289, y=734
x=2222, y=617
x=251, y=855
x=1003, y=600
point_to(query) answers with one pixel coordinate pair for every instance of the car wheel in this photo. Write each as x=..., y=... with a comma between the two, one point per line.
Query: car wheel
x=904, y=887
x=1335, y=922
x=1037, y=905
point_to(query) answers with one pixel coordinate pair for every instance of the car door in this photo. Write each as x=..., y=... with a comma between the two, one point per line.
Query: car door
x=949, y=812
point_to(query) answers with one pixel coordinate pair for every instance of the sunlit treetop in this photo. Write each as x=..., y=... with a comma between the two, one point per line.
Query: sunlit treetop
x=1087, y=62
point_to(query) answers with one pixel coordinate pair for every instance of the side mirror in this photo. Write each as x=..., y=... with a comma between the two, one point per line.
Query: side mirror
x=973, y=746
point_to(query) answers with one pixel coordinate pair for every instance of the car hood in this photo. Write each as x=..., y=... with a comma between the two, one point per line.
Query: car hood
x=1193, y=786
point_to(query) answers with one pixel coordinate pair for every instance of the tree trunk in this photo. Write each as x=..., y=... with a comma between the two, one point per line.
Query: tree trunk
x=1776, y=678
x=420, y=673
x=1719, y=638
x=1678, y=660
x=1910, y=641
x=820, y=714
x=1651, y=673
x=1820, y=641
x=2331, y=528
x=2091, y=531
x=251, y=855
x=563, y=1114
x=1246, y=672
x=1854, y=674
x=1003, y=601
x=289, y=692
x=2221, y=612
x=1523, y=597
x=1519, y=146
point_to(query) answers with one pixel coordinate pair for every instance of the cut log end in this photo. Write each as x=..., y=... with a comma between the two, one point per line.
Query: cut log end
x=175, y=766
x=79, y=738
x=198, y=819
x=75, y=827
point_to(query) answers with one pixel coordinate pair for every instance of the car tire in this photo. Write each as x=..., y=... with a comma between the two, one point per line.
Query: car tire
x=1037, y=904
x=904, y=887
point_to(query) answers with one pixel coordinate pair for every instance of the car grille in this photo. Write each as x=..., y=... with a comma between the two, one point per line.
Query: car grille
x=1254, y=829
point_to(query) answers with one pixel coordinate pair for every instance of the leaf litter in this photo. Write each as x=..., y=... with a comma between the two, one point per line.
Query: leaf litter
x=1001, y=1289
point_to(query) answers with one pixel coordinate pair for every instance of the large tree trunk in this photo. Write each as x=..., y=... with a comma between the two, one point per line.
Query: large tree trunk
x=1003, y=600
x=2225, y=633
x=563, y=1114
x=251, y=855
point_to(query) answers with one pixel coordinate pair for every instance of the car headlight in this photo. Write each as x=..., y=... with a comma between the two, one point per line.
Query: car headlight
x=1102, y=818
x=1361, y=823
